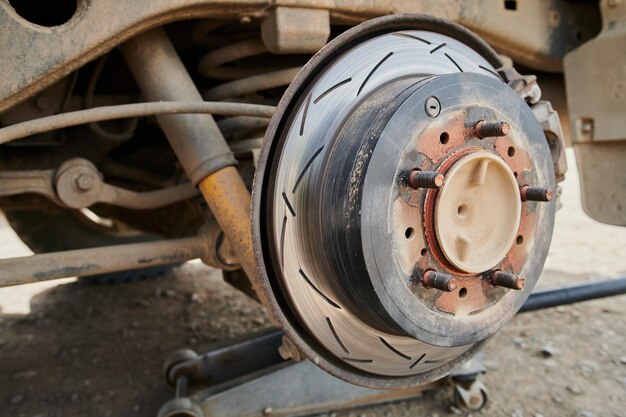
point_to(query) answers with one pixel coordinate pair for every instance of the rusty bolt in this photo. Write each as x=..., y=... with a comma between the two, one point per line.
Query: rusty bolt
x=491, y=129
x=425, y=179
x=432, y=107
x=443, y=282
x=507, y=279
x=535, y=193
x=84, y=182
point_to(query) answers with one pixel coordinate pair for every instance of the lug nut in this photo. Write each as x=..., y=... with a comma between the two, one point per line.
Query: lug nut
x=535, y=193
x=425, y=179
x=491, y=129
x=508, y=280
x=443, y=282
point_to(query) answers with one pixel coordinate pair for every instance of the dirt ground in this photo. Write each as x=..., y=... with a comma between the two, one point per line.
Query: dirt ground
x=71, y=349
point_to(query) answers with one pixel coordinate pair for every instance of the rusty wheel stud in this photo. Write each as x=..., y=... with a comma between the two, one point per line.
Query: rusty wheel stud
x=507, y=279
x=535, y=193
x=425, y=179
x=491, y=129
x=443, y=282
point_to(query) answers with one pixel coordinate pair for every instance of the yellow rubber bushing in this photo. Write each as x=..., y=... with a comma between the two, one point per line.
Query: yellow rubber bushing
x=478, y=211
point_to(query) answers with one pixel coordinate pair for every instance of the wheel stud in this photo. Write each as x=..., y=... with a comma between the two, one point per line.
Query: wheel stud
x=443, y=282
x=508, y=280
x=491, y=129
x=535, y=193
x=425, y=179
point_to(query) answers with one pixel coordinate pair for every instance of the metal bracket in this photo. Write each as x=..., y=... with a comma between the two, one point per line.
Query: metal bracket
x=527, y=88
x=78, y=184
x=524, y=85
x=551, y=124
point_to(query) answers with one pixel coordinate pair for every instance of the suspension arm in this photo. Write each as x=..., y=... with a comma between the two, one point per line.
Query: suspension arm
x=94, y=261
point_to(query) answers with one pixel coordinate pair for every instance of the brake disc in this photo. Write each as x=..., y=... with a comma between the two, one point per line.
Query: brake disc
x=389, y=229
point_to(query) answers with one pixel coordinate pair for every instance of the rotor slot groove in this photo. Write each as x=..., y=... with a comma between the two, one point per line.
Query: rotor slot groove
x=437, y=48
x=282, y=241
x=304, y=112
x=317, y=290
x=454, y=62
x=331, y=89
x=414, y=364
x=334, y=332
x=394, y=350
x=306, y=168
x=489, y=71
x=288, y=204
x=373, y=71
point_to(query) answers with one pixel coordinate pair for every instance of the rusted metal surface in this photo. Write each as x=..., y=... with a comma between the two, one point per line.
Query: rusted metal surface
x=535, y=193
x=491, y=129
x=440, y=281
x=94, y=261
x=229, y=201
x=34, y=57
x=425, y=179
x=508, y=280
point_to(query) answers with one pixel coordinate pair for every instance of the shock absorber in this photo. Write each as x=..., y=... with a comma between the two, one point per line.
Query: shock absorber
x=195, y=138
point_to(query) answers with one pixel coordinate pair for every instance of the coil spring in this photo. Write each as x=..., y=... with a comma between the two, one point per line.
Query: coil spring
x=242, y=83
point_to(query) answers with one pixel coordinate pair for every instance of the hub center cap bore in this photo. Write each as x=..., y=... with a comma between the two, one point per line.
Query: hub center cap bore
x=478, y=210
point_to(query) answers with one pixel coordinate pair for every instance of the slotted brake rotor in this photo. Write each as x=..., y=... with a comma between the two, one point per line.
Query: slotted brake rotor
x=390, y=230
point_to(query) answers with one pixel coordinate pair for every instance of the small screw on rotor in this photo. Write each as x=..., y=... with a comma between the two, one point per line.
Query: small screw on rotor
x=432, y=107
x=535, y=193
x=425, y=179
x=507, y=279
x=438, y=280
x=484, y=129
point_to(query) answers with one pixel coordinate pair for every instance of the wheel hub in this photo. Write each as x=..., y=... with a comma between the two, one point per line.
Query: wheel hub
x=388, y=221
x=478, y=210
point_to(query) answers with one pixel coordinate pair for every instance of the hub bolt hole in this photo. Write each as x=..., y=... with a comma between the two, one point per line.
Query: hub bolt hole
x=409, y=232
x=463, y=292
x=444, y=138
x=519, y=240
x=424, y=252
x=511, y=151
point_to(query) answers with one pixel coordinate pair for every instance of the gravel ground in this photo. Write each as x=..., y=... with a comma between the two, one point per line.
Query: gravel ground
x=71, y=349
